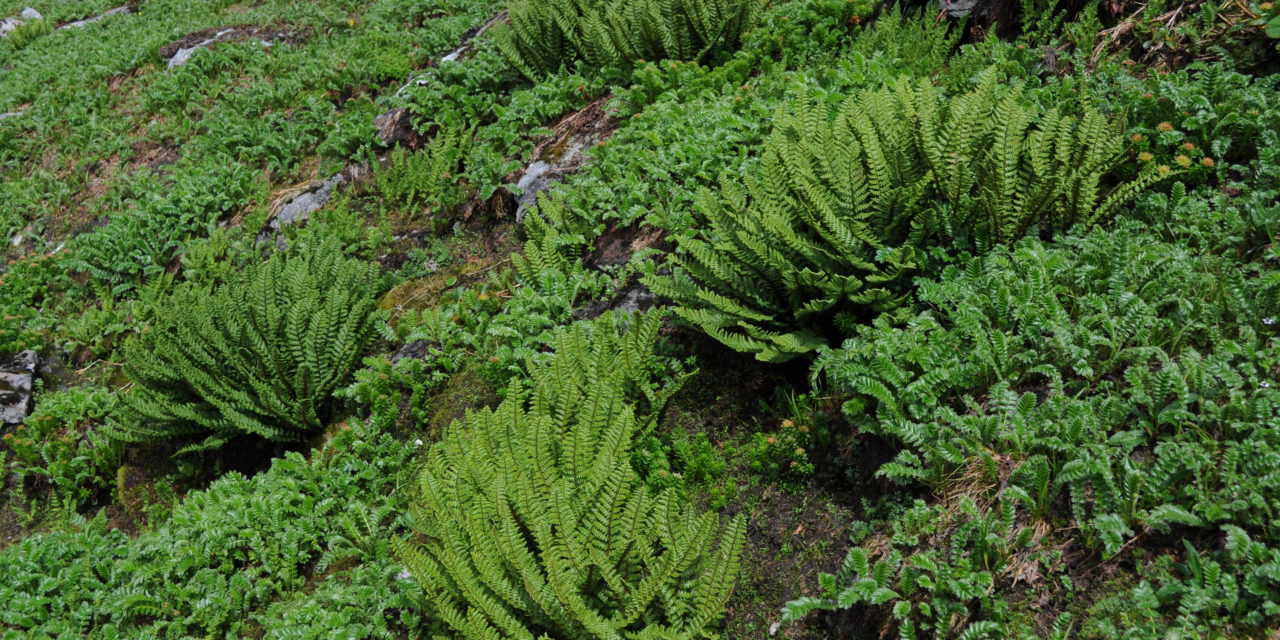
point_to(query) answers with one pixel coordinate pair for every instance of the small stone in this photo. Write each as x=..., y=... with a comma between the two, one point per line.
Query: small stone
x=300, y=207
x=396, y=127
x=17, y=378
x=30, y=14
x=957, y=8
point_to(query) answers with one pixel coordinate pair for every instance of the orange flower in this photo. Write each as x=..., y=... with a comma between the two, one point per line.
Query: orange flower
x=1137, y=137
x=1188, y=146
x=771, y=440
x=1165, y=126
x=1145, y=157
x=1208, y=162
x=1163, y=169
x=1182, y=160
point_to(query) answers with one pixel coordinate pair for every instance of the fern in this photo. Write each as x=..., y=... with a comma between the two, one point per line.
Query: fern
x=428, y=178
x=258, y=357
x=530, y=521
x=827, y=233
x=543, y=35
x=1124, y=378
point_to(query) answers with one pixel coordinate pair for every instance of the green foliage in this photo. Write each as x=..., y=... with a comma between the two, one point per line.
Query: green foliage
x=511, y=315
x=60, y=444
x=426, y=179
x=783, y=452
x=1226, y=116
x=226, y=553
x=928, y=586
x=25, y=34
x=544, y=35
x=260, y=357
x=690, y=464
x=826, y=231
x=1233, y=586
x=140, y=242
x=1127, y=381
x=396, y=391
x=30, y=286
x=531, y=522
x=1220, y=124
x=1115, y=412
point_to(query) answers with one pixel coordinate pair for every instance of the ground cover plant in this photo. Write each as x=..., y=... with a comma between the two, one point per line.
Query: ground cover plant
x=967, y=326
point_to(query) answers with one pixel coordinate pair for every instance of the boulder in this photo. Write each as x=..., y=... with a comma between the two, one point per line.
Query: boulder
x=17, y=379
x=631, y=298
x=30, y=14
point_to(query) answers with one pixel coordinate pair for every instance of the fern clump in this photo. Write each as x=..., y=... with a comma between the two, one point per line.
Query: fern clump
x=543, y=35
x=261, y=356
x=531, y=523
x=826, y=233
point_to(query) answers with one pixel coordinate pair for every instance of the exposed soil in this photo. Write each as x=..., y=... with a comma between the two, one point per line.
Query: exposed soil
x=154, y=156
x=793, y=533
x=616, y=245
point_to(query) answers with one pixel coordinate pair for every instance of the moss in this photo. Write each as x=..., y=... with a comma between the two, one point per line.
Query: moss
x=136, y=490
x=425, y=292
x=467, y=390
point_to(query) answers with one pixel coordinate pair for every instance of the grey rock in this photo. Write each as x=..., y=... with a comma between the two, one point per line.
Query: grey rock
x=177, y=56
x=563, y=153
x=534, y=181
x=540, y=175
x=10, y=114
x=106, y=14
x=416, y=350
x=30, y=14
x=9, y=24
x=958, y=8
x=17, y=378
x=299, y=208
x=633, y=297
x=183, y=56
